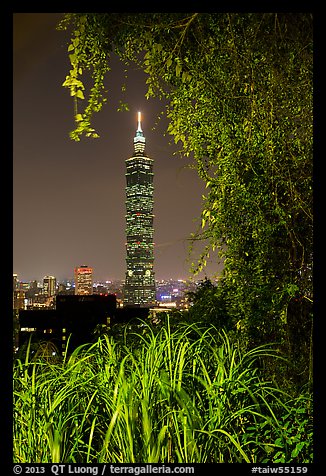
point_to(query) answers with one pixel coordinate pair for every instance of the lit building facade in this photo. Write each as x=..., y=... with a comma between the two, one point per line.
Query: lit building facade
x=83, y=280
x=49, y=285
x=139, y=289
x=19, y=294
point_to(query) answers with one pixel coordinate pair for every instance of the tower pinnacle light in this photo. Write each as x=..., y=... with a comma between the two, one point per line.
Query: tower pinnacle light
x=139, y=129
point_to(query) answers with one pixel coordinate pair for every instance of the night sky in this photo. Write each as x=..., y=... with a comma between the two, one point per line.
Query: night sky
x=69, y=197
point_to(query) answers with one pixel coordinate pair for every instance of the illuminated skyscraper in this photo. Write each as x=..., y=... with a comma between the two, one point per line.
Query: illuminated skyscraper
x=84, y=280
x=139, y=287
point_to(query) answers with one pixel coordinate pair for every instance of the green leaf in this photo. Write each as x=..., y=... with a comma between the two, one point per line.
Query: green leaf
x=297, y=449
x=72, y=58
x=80, y=94
x=178, y=69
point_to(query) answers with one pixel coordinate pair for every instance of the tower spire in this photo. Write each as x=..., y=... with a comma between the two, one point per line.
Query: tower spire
x=139, y=139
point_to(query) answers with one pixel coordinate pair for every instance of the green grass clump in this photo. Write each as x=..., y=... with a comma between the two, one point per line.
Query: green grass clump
x=184, y=396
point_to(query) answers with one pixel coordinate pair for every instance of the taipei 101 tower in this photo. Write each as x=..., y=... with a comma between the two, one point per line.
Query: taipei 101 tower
x=139, y=289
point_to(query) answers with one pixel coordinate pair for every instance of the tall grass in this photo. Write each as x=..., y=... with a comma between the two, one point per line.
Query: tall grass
x=186, y=396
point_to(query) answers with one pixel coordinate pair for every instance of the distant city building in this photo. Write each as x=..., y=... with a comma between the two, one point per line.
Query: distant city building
x=15, y=282
x=49, y=285
x=83, y=280
x=139, y=289
x=19, y=299
x=61, y=288
x=18, y=294
x=75, y=317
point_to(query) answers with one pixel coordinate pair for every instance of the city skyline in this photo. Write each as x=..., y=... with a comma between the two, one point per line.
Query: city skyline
x=68, y=205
